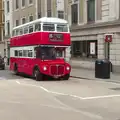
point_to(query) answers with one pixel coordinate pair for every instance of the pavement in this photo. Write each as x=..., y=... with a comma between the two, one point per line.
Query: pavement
x=23, y=98
x=90, y=75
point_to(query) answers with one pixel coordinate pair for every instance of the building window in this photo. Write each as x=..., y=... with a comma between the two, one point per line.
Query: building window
x=23, y=20
x=49, y=13
x=82, y=49
x=30, y=1
x=8, y=27
x=74, y=12
x=17, y=22
x=61, y=14
x=30, y=18
x=23, y=3
x=39, y=15
x=8, y=7
x=91, y=10
x=17, y=4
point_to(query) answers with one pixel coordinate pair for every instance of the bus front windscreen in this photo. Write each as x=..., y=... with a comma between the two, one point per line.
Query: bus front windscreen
x=48, y=53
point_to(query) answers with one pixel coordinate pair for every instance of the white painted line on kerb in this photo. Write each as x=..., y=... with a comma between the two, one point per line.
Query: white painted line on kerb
x=64, y=94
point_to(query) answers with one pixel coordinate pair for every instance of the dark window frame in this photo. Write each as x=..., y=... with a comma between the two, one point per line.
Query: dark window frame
x=91, y=11
x=8, y=6
x=74, y=13
x=60, y=14
x=23, y=3
x=17, y=4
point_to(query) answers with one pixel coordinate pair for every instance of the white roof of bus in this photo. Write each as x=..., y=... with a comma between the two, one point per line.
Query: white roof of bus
x=45, y=20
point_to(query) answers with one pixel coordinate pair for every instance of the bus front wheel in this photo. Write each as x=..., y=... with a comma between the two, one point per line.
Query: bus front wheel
x=37, y=75
x=66, y=77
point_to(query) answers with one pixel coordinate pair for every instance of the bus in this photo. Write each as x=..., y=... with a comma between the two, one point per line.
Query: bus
x=41, y=48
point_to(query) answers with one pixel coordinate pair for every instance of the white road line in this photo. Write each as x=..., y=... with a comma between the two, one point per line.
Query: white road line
x=34, y=86
x=56, y=107
x=44, y=89
x=100, y=97
x=74, y=110
x=58, y=93
x=13, y=102
x=18, y=82
x=64, y=94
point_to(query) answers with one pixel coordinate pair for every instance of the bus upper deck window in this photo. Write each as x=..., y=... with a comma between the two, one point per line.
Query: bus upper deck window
x=25, y=30
x=21, y=31
x=30, y=29
x=17, y=32
x=62, y=28
x=48, y=27
x=38, y=27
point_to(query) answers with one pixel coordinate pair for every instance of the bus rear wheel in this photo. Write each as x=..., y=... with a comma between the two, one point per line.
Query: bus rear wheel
x=16, y=69
x=37, y=75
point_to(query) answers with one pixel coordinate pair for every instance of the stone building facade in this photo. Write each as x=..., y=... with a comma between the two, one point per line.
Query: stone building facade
x=91, y=21
x=18, y=12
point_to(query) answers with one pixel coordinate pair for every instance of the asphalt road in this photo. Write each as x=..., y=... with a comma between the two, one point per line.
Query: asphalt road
x=22, y=98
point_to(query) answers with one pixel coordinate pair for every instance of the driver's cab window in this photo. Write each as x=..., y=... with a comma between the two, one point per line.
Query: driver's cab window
x=60, y=53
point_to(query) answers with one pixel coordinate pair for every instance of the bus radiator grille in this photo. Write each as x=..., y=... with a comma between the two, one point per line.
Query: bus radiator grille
x=57, y=70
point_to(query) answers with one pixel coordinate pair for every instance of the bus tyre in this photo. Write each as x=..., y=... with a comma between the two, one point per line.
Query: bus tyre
x=37, y=75
x=15, y=70
x=66, y=77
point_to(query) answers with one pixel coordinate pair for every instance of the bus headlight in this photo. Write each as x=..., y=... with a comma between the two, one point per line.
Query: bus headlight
x=68, y=68
x=44, y=68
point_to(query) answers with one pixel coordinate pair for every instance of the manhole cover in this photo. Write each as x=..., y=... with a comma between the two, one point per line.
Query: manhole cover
x=115, y=88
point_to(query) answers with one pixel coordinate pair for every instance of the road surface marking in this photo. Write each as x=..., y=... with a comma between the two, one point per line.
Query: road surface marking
x=74, y=110
x=33, y=86
x=66, y=107
x=18, y=82
x=100, y=97
x=14, y=102
x=56, y=107
x=75, y=96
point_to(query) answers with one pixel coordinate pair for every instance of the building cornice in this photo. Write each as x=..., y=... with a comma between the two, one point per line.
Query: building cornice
x=94, y=25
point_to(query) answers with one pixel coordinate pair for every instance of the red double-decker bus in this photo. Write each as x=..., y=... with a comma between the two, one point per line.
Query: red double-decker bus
x=41, y=48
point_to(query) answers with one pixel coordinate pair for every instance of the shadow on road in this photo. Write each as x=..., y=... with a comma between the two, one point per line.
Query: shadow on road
x=8, y=75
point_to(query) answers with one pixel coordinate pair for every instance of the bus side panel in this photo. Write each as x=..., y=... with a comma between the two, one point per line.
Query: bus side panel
x=28, y=65
x=12, y=61
x=25, y=65
x=39, y=38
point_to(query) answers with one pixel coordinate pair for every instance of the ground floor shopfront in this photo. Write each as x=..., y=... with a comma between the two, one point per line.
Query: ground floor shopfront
x=88, y=44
